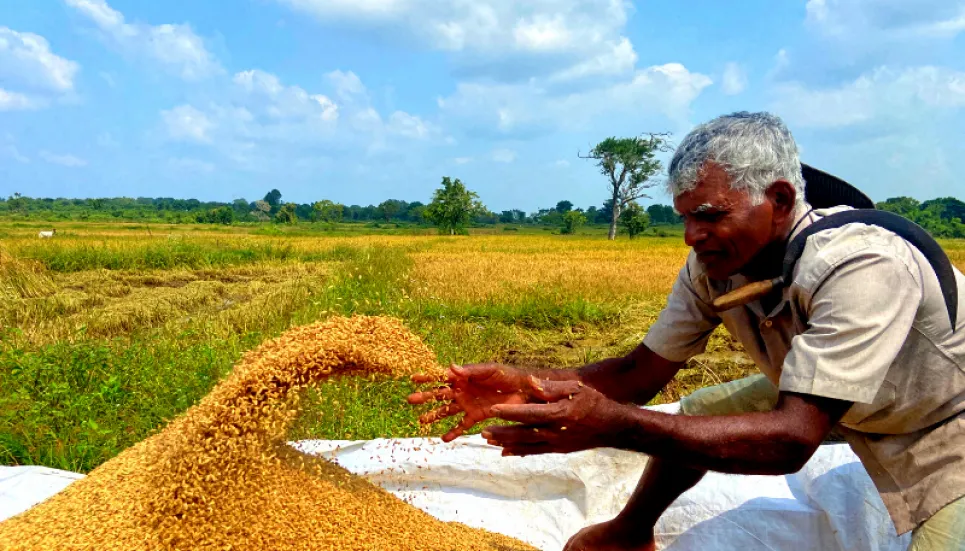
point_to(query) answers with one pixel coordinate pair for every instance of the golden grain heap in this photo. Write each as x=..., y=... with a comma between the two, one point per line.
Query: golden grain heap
x=221, y=476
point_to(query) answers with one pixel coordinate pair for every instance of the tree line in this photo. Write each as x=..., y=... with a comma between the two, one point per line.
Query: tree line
x=271, y=208
x=942, y=217
x=628, y=164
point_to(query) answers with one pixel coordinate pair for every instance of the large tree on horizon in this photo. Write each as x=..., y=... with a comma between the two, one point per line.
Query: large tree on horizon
x=629, y=164
x=453, y=206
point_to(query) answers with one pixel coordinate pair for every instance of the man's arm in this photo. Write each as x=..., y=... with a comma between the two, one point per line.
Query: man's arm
x=635, y=378
x=776, y=442
x=578, y=418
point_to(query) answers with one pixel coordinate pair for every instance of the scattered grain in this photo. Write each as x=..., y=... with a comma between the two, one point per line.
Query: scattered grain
x=221, y=476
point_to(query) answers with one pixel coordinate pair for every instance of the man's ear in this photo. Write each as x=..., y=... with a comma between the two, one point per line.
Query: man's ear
x=783, y=197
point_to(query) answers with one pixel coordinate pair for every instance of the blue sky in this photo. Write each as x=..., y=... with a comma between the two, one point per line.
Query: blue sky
x=364, y=100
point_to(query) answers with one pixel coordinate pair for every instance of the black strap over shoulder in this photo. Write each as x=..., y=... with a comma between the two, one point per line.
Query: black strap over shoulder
x=904, y=228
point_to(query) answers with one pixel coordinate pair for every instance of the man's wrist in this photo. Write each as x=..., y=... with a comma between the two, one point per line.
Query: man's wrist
x=636, y=429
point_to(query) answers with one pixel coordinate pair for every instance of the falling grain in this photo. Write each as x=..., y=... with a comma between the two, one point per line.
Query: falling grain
x=221, y=476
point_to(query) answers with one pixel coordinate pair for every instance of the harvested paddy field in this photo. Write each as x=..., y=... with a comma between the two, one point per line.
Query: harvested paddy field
x=109, y=332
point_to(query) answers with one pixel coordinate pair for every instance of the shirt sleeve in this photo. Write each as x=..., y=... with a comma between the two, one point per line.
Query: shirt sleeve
x=685, y=324
x=860, y=313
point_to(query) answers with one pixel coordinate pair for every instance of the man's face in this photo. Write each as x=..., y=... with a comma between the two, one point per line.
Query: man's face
x=722, y=226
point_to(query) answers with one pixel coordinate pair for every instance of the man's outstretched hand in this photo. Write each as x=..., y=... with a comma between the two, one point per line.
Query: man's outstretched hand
x=473, y=390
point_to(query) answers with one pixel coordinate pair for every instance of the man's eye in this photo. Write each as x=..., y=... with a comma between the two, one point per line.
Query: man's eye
x=711, y=216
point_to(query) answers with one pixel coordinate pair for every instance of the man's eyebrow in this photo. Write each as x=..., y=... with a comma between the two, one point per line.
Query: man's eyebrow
x=703, y=208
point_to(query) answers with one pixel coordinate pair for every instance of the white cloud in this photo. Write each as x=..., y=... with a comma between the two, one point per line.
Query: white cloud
x=259, y=120
x=9, y=149
x=561, y=163
x=14, y=101
x=885, y=94
x=573, y=37
x=504, y=155
x=190, y=165
x=408, y=125
x=462, y=160
x=37, y=74
x=175, y=47
x=734, y=80
x=864, y=19
x=264, y=92
x=666, y=90
x=63, y=160
x=542, y=33
x=25, y=58
x=186, y=122
x=619, y=59
x=347, y=84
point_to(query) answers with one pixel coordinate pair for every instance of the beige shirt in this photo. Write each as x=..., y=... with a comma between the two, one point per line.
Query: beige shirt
x=864, y=321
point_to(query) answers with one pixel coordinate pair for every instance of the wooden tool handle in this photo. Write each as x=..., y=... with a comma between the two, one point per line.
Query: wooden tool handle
x=745, y=294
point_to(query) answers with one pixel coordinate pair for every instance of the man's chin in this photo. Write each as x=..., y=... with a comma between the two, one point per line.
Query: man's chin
x=719, y=270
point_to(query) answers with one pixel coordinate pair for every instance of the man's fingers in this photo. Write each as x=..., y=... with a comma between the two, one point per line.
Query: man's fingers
x=523, y=450
x=507, y=436
x=553, y=391
x=467, y=422
x=437, y=394
x=430, y=377
x=528, y=414
x=447, y=410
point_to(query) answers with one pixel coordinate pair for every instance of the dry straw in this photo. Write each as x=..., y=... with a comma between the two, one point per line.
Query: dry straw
x=222, y=477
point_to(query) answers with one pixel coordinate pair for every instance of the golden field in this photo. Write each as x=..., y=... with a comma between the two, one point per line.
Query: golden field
x=108, y=331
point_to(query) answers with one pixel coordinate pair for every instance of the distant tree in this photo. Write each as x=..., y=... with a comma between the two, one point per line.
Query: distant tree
x=564, y=207
x=591, y=214
x=662, y=214
x=572, y=220
x=220, y=215
x=263, y=206
x=634, y=220
x=628, y=164
x=605, y=214
x=947, y=208
x=240, y=206
x=273, y=198
x=304, y=212
x=388, y=209
x=905, y=206
x=485, y=216
x=286, y=214
x=549, y=217
x=453, y=206
x=417, y=214
x=328, y=211
x=17, y=203
x=261, y=211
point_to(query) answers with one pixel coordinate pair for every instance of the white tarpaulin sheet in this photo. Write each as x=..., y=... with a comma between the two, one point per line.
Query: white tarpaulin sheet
x=830, y=504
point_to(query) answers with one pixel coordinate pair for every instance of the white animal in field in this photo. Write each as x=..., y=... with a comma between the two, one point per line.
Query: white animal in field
x=47, y=234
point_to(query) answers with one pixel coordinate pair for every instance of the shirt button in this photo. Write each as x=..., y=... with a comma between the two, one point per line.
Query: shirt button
x=768, y=323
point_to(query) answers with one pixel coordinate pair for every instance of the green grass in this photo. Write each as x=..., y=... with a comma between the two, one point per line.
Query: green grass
x=74, y=405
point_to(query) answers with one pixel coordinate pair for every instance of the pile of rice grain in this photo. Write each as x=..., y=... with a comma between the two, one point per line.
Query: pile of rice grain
x=221, y=476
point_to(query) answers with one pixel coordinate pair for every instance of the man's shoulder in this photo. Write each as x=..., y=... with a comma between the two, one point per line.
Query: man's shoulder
x=829, y=249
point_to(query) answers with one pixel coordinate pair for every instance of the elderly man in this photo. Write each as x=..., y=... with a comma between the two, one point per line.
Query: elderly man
x=860, y=342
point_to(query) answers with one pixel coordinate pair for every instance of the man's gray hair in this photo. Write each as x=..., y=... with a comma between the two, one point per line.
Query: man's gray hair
x=755, y=149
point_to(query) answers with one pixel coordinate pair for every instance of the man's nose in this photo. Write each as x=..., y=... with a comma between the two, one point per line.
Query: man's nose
x=694, y=233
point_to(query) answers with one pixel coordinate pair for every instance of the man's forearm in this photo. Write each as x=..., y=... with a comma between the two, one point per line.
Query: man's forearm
x=752, y=443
